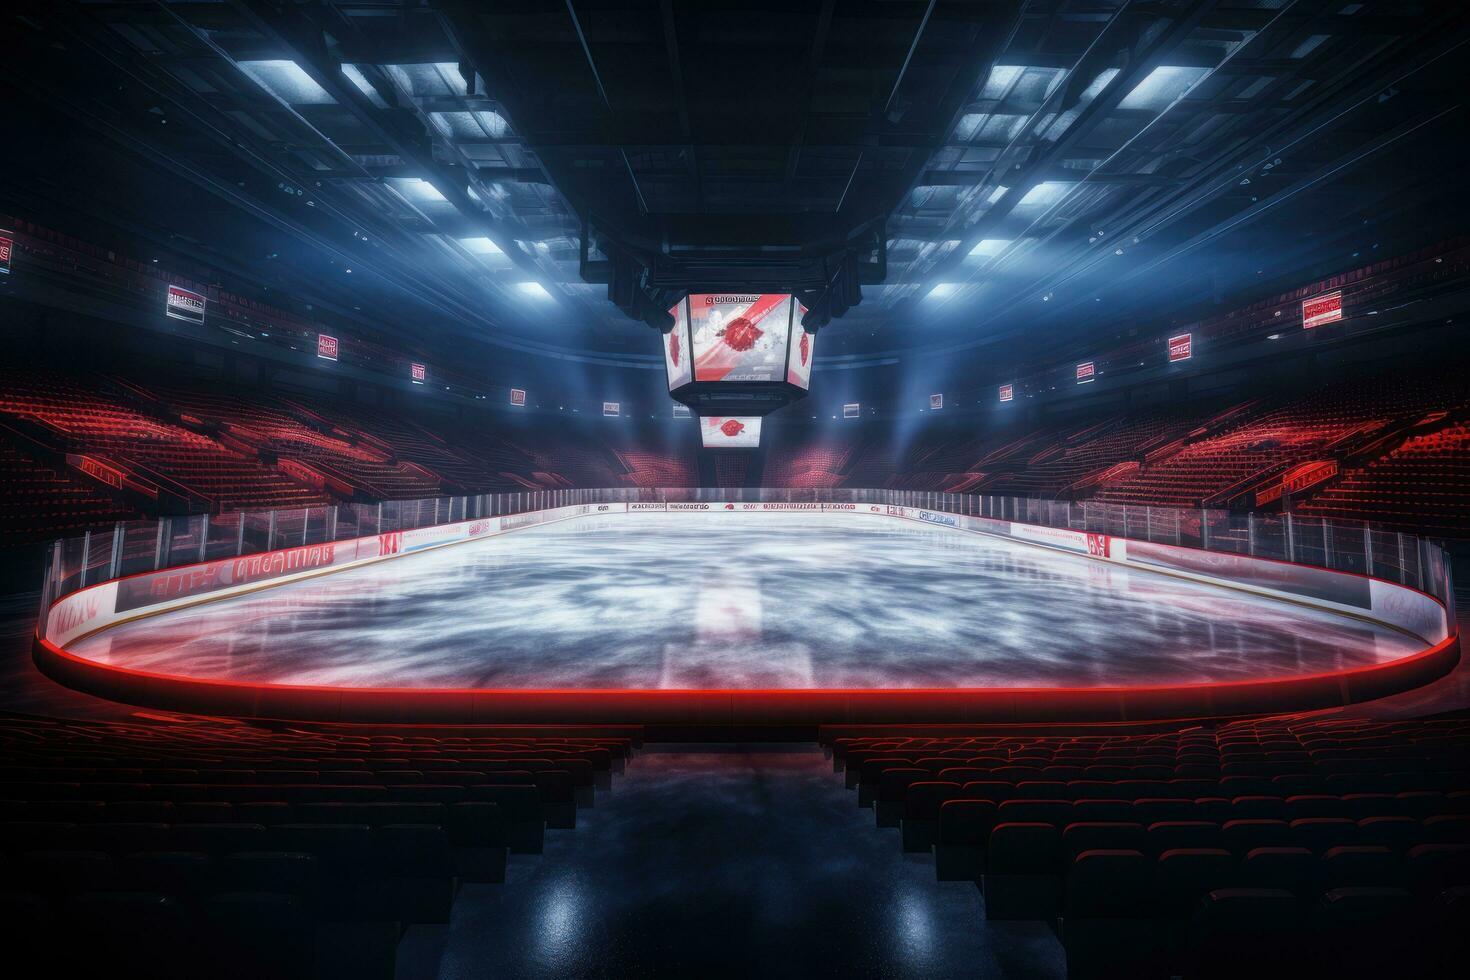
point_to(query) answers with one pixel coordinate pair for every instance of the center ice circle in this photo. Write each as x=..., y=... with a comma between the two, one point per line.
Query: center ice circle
x=806, y=600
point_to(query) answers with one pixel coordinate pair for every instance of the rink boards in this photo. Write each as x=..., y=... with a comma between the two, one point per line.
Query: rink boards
x=148, y=594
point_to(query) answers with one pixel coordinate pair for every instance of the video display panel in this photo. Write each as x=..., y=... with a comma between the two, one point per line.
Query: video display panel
x=678, y=358
x=728, y=432
x=739, y=337
x=803, y=350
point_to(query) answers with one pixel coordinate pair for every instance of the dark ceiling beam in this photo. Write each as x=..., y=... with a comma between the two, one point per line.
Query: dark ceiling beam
x=606, y=103
x=1292, y=136
x=807, y=87
x=676, y=72
x=374, y=173
x=457, y=103
x=1353, y=158
x=1048, y=157
x=973, y=178
x=305, y=39
x=1145, y=216
x=93, y=114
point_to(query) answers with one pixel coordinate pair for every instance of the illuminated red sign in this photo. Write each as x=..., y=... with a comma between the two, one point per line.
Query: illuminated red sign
x=418, y=373
x=7, y=243
x=184, y=304
x=326, y=346
x=517, y=396
x=1318, y=310
x=1181, y=348
x=1007, y=392
x=1086, y=371
x=99, y=470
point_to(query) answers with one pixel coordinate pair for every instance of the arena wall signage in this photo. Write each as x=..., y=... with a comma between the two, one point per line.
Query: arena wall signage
x=1181, y=347
x=418, y=373
x=851, y=410
x=1007, y=392
x=517, y=396
x=612, y=408
x=326, y=347
x=936, y=402
x=7, y=246
x=184, y=304
x=1318, y=310
x=1086, y=372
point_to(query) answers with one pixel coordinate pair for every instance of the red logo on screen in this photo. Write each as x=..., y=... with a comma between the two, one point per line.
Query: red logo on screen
x=1181, y=348
x=4, y=250
x=732, y=427
x=806, y=347
x=674, y=348
x=729, y=506
x=418, y=372
x=390, y=543
x=326, y=346
x=1099, y=545
x=741, y=334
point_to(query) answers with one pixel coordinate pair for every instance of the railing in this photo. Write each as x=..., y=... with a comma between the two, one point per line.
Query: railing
x=144, y=546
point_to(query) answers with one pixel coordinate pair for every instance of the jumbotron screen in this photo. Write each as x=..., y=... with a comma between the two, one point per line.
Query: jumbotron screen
x=677, y=359
x=803, y=349
x=729, y=432
x=738, y=337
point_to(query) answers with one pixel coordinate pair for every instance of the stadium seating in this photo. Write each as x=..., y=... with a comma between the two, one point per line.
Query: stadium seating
x=1100, y=447
x=85, y=418
x=1419, y=486
x=1324, y=424
x=260, y=423
x=1258, y=847
x=449, y=459
x=1401, y=445
x=37, y=502
x=306, y=851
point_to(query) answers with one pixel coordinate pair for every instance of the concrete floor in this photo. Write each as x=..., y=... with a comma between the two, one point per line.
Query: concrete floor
x=733, y=860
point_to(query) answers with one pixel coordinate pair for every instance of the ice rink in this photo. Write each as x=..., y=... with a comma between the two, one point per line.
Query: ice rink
x=802, y=600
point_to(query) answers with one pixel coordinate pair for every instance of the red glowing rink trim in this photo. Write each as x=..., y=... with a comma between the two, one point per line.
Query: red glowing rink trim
x=752, y=707
x=746, y=707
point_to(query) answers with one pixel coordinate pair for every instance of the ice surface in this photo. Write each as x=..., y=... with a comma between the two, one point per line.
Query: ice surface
x=743, y=601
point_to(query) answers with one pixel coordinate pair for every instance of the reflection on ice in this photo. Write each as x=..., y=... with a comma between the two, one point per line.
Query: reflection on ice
x=744, y=600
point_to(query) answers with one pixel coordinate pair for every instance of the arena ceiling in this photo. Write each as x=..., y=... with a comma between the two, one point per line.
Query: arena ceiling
x=936, y=174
